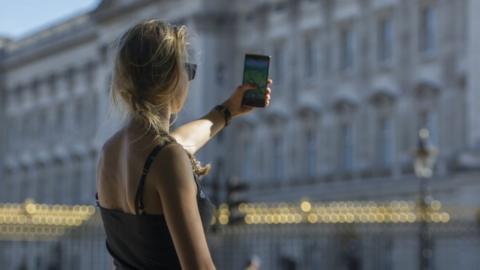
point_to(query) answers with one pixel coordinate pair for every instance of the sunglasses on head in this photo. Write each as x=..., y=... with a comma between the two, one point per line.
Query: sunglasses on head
x=191, y=70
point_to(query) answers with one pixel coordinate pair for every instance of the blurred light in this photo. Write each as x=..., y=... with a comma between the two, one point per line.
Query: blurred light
x=30, y=221
x=312, y=218
x=305, y=206
x=223, y=219
x=332, y=212
x=436, y=205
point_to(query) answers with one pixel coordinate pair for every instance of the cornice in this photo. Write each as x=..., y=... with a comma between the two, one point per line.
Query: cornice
x=43, y=48
x=108, y=10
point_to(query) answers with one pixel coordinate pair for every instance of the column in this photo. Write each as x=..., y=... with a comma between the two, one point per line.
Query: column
x=292, y=68
x=71, y=121
x=473, y=65
x=60, y=110
x=51, y=110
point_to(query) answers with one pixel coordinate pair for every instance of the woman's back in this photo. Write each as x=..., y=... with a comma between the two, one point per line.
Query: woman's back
x=138, y=235
x=119, y=170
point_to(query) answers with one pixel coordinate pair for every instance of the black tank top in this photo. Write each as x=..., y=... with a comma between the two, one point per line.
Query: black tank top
x=143, y=241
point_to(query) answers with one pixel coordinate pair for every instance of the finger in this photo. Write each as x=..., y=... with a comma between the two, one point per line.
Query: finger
x=269, y=81
x=243, y=86
x=269, y=90
x=247, y=108
x=247, y=86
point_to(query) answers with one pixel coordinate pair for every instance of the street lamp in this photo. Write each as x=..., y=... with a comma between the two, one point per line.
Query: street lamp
x=425, y=156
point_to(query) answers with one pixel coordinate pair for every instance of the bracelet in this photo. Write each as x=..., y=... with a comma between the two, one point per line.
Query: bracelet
x=226, y=113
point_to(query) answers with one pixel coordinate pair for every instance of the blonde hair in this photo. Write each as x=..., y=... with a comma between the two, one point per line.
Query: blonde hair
x=147, y=73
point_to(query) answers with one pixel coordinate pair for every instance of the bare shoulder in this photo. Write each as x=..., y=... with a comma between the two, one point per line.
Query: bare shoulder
x=108, y=158
x=172, y=168
x=112, y=142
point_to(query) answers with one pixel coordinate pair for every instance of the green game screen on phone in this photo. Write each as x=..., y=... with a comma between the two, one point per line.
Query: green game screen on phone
x=256, y=72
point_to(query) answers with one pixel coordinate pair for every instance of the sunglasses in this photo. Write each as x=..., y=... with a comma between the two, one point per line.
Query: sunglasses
x=191, y=70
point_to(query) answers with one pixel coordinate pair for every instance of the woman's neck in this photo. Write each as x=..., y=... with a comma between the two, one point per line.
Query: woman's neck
x=137, y=125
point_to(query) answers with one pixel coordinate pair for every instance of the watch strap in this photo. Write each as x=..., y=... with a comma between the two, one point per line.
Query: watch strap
x=226, y=113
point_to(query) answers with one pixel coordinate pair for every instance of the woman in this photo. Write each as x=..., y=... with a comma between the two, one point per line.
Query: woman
x=154, y=211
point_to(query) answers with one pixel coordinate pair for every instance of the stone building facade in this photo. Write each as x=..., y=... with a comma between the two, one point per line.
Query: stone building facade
x=354, y=80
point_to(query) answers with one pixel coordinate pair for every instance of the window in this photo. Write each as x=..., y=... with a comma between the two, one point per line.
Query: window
x=385, y=141
x=11, y=133
x=17, y=134
x=346, y=144
x=327, y=57
x=279, y=61
x=35, y=124
x=41, y=186
x=90, y=72
x=427, y=28
x=52, y=85
x=260, y=169
x=59, y=182
x=6, y=185
x=10, y=100
x=60, y=116
x=76, y=186
x=79, y=111
x=247, y=155
x=248, y=160
x=27, y=128
x=311, y=153
x=43, y=129
x=310, y=56
x=277, y=158
x=346, y=48
x=93, y=113
x=22, y=190
x=385, y=40
x=70, y=77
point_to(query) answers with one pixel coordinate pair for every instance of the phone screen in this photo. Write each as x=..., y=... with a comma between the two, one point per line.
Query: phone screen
x=256, y=72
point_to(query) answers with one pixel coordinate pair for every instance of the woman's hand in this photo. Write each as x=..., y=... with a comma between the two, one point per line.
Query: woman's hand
x=234, y=103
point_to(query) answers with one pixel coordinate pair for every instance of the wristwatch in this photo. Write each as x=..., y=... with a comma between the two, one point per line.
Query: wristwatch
x=225, y=111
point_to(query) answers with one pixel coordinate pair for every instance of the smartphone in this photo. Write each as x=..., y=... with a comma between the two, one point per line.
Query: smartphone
x=256, y=71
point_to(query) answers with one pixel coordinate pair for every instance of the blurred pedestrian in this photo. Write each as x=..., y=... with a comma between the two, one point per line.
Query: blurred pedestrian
x=253, y=263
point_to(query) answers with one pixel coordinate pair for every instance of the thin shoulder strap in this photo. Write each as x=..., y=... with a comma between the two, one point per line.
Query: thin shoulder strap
x=200, y=191
x=139, y=206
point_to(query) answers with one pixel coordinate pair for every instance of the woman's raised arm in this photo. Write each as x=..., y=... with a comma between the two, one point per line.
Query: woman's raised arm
x=195, y=134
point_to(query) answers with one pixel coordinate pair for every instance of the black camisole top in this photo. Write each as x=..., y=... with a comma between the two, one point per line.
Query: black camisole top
x=141, y=240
